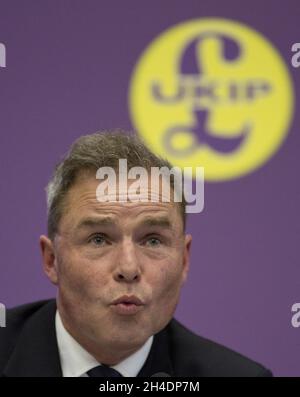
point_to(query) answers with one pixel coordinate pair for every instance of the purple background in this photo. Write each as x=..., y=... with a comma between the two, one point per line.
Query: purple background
x=68, y=67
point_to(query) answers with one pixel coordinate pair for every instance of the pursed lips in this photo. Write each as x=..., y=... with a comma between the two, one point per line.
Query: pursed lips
x=129, y=299
x=127, y=305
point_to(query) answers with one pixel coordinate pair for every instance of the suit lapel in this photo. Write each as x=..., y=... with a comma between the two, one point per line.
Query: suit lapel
x=159, y=358
x=36, y=352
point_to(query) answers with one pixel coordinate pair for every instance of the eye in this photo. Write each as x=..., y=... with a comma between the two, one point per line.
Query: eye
x=98, y=239
x=153, y=242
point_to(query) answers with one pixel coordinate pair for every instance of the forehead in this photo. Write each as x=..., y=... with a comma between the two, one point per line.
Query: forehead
x=81, y=201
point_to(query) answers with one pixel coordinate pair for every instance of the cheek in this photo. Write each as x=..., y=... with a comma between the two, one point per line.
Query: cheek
x=80, y=277
x=168, y=283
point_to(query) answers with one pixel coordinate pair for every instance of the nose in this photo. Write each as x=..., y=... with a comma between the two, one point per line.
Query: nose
x=128, y=269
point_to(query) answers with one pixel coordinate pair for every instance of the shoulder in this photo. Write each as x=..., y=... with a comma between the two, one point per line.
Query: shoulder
x=17, y=316
x=16, y=320
x=194, y=355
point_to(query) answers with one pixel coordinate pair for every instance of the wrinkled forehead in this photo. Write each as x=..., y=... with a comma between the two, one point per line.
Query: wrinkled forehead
x=142, y=188
x=132, y=199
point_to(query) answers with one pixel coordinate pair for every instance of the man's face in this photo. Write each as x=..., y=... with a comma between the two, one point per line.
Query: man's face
x=136, y=252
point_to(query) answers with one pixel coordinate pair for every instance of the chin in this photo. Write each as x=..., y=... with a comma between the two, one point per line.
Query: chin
x=135, y=334
x=125, y=342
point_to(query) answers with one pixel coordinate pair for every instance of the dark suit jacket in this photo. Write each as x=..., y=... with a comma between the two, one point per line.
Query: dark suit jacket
x=28, y=347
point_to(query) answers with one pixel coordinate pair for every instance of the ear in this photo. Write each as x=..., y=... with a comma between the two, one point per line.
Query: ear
x=49, y=259
x=186, y=256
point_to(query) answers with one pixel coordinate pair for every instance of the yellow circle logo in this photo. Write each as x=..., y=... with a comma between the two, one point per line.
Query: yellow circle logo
x=212, y=93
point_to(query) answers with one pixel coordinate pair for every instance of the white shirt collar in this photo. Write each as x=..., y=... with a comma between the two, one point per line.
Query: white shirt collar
x=76, y=361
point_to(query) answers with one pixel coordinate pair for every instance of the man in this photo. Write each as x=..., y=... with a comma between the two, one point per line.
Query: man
x=119, y=266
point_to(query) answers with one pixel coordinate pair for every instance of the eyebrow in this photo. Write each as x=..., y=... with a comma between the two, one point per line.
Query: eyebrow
x=162, y=222
x=94, y=222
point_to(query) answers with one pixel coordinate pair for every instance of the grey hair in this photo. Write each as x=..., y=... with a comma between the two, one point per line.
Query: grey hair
x=89, y=153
